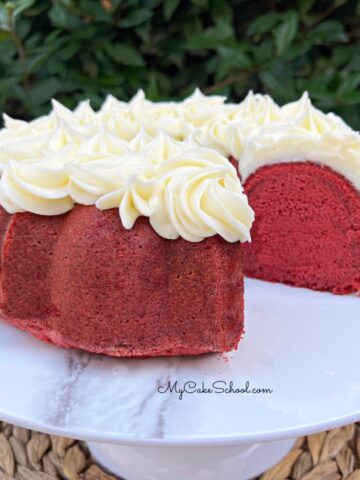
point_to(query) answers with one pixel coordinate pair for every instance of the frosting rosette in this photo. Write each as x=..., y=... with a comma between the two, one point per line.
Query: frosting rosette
x=247, y=119
x=197, y=195
x=192, y=193
x=35, y=188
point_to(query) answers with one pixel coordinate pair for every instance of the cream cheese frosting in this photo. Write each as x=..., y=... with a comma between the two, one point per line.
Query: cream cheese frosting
x=303, y=133
x=185, y=190
x=165, y=160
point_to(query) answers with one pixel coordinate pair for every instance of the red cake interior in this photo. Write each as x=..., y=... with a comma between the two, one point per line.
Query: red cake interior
x=82, y=280
x=307, y=228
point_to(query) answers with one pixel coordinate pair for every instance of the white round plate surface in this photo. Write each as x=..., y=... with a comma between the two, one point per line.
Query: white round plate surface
x=302, y=345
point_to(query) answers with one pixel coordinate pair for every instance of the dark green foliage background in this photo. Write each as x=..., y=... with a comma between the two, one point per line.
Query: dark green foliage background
x=73, y=50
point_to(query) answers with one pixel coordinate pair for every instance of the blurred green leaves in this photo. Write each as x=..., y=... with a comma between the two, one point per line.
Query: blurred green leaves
x=286, y=31
x=125, y=55
x=75, y=49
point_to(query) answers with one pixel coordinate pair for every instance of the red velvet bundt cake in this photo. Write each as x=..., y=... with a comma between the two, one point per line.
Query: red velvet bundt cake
x=163, y=279
x=166, y=277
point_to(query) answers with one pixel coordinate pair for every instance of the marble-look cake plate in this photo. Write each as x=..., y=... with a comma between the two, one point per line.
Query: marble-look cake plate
x=302, y=345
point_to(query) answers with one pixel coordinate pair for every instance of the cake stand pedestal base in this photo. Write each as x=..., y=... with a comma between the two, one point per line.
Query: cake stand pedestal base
x=196, y=462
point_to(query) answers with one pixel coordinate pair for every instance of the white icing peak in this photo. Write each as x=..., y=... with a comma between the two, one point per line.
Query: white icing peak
x=165, y=160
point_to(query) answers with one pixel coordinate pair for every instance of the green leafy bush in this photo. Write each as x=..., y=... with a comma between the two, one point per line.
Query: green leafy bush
x=75, y=49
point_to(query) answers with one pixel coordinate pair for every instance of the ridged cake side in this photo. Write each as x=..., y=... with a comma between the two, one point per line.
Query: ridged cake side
x=81, y=280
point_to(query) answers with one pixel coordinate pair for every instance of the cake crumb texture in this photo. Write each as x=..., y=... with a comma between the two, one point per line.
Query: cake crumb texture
x=307, y=228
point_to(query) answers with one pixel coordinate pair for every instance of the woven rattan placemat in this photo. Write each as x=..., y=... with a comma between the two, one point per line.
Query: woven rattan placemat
x=27, y=455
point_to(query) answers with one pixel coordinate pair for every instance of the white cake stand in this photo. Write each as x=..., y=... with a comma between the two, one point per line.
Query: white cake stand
x=301, y=344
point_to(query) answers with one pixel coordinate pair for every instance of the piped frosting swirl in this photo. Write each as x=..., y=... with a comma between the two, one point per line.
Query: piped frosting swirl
x=186, y=190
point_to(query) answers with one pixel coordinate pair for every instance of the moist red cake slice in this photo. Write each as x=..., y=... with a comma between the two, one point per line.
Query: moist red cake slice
x=82, y=280
x=307, y=227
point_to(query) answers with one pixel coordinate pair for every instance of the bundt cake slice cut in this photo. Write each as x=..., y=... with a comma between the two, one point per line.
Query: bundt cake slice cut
x=307, y=227
x=82, y=280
